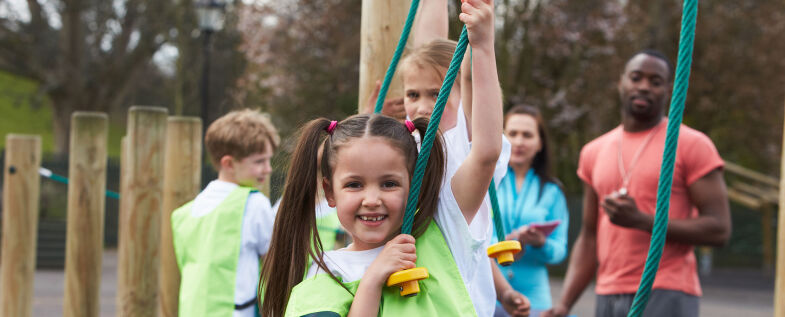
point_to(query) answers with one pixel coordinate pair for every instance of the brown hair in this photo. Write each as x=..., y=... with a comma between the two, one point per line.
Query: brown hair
x=542, y=160
x=239, y=134
x=295, y=224
x=436, y=54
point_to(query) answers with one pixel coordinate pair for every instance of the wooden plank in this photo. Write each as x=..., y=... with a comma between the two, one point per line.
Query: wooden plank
x=751, y=174
x=769, y=194
x=140, y=233
x=85, y=233
x=21, y=188
x=182, y=179
x=744, y=199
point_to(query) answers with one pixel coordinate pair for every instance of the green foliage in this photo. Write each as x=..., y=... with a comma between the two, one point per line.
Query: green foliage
x=23, y=112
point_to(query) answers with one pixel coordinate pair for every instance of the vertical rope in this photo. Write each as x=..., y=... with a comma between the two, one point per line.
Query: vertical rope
x=430, y=134
x=407, y=27
x=689, y=16
x=498, y=225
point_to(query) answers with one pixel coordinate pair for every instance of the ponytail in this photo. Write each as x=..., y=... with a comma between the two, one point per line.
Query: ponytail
x=428, y=200
x=295, y=224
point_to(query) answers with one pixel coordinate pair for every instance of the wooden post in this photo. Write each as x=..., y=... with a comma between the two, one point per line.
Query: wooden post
x=182, y=179
x=20, y=223
x=779, y=282
x=121, y=205
x=137, y=277
x=767, y=233
x=86, y=198
x=381, y=25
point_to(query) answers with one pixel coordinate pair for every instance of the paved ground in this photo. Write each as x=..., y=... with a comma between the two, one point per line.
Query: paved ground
x=726, y=293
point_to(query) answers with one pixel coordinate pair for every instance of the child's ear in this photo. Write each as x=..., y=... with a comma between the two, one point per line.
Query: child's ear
x=328, y=192
x=226, y=162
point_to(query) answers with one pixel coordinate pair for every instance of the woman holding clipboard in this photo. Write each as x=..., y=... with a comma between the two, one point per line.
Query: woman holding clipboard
x=533, y=208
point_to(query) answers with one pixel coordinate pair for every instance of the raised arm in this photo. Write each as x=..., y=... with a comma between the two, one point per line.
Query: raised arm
x=431, y=22
x=473, y=177
x=466, y=89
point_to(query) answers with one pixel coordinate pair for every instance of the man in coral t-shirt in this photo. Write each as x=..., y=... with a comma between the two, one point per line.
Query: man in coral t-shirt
x=620, y=171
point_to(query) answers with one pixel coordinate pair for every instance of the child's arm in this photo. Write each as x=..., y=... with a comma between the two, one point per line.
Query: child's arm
x=430, y=23
x=466, y=89
x=398, y=254
x=513, y=302
x=473, y=177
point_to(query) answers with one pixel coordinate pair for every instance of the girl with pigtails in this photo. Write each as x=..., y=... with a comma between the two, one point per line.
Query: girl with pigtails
x=367, y=165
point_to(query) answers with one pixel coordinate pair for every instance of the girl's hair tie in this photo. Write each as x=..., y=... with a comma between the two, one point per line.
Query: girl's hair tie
x=409, y=125
x=331, y=127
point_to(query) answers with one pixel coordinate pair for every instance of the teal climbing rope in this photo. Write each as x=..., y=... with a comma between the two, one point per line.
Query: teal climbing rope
x=689, y=16
x=407, y=27
x=498, y=225
x=430, y=134
x=45, y=172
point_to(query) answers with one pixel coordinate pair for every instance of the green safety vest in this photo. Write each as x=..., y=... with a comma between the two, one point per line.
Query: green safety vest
x=328, y=227
x=207, y=250
x=443, y=293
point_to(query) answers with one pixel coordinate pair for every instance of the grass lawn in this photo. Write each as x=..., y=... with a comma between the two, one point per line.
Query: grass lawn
x=21, y=112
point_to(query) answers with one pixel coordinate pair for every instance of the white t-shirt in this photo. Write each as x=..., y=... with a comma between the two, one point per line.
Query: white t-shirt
x=258, y=220
x=480, y=282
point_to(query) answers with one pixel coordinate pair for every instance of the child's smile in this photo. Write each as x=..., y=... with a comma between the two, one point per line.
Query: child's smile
x=369, y=188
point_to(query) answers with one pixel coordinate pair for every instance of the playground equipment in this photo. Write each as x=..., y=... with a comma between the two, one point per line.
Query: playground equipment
x=147, y=184
x=182, y=181
x=758, y=192
x=408, y=280
x=141, y=206
x=85, y=225
x=503, y=251
x=381, y=25
x=20, y=222
x=779, y=282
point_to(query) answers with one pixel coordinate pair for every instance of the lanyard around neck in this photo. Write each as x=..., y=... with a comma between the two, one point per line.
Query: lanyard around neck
x=625, y=175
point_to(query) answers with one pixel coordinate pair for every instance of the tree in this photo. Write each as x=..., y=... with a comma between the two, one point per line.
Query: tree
x=304, y=59
x=85, y=54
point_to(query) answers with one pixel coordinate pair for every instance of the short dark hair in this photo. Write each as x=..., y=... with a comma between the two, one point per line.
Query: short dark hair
x=657, y=54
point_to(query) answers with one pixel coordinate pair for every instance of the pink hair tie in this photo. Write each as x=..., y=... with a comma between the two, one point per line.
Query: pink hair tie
x=332, y=126
x=409, y=125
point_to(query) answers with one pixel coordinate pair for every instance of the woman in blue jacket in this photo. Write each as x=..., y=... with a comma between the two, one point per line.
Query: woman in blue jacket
x=529, y=196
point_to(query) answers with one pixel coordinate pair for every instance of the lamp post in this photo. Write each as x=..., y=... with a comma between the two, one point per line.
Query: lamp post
x=211, y=19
